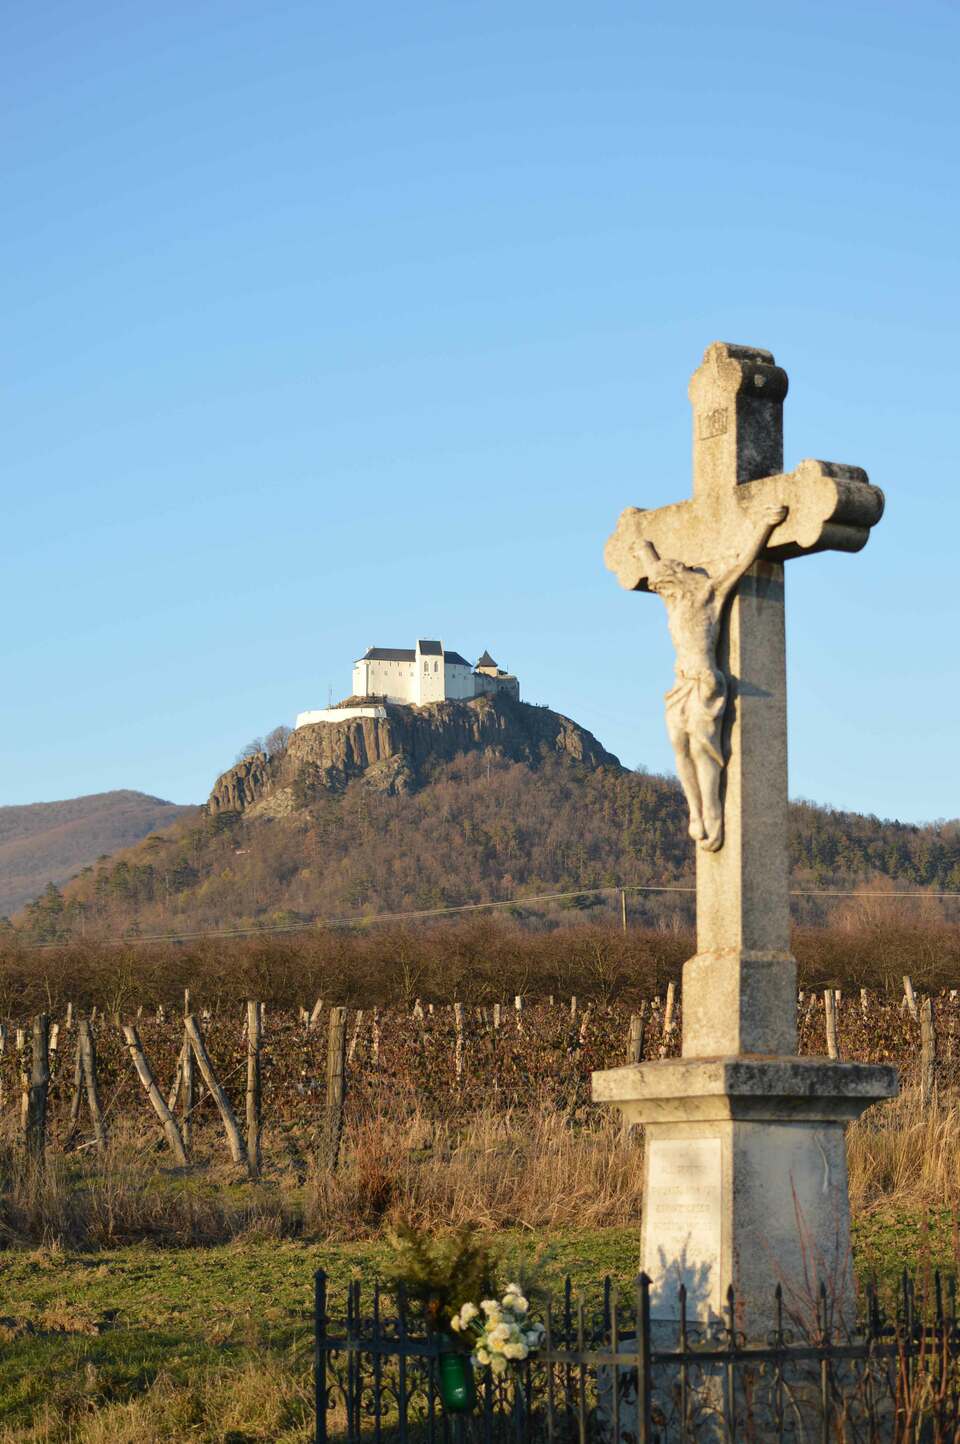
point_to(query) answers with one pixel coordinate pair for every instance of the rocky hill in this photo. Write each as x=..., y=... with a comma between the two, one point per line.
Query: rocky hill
x=51, y=841
x=435, y=807
x=398, y=753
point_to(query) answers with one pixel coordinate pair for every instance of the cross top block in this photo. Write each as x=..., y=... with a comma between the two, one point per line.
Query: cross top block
x=737, y=394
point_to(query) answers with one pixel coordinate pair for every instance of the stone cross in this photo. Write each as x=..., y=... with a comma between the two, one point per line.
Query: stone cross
x=745, y=1163
x=738, y=489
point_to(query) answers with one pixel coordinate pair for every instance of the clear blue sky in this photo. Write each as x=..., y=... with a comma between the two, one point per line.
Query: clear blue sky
x=333, y=324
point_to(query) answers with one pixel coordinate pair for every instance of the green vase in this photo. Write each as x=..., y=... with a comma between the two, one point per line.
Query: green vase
x=457, y=1388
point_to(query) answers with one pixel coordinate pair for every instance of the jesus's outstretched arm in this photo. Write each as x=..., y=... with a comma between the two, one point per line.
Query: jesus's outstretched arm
x=726, y=583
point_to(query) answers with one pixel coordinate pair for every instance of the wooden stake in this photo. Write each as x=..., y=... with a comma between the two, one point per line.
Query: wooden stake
x=336, y=1085
x=174, y=1093
x=234, y=1142
x=315, y=1014
x=668, y=1016
x=87, y=1050
x=830, y=1009
x=188, y=1091
x=355, y=1036
x=157, y=1101
x=253, y=1089
x=375, y=1038
x=458, y=1046
x=36, y=1132
x=928, y=1052
x=910, y=997
x=21, y=1042
x=635, y=1039
x=623, y=909
x=75, y=1098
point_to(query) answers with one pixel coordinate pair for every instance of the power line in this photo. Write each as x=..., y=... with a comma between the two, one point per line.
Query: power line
x=369, y=919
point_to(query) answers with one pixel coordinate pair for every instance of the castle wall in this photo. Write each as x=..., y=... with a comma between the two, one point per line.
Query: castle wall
x=397, y=681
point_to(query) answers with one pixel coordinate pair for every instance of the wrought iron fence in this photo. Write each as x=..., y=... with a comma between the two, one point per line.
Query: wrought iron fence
x=608, y=1376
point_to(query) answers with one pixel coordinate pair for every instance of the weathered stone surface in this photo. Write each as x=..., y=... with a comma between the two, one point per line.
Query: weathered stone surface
x=393, y=753
x=674, y=1089
x=745, y=1178
x=745, y=1163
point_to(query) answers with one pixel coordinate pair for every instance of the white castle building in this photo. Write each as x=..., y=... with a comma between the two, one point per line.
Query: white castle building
x=414, y=676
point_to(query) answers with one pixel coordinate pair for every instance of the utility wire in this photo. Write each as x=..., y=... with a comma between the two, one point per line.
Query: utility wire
x=367, y=920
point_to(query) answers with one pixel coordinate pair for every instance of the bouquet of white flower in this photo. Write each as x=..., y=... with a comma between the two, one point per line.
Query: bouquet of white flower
x=502, y=1331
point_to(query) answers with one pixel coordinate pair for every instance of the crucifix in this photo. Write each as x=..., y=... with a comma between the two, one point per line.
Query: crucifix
x=717, y=562
x=743, y=1137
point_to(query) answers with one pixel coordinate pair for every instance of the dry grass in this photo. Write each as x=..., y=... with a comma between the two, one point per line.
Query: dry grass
x=259, y=1401
x=906, y=1156
x=499, y=1169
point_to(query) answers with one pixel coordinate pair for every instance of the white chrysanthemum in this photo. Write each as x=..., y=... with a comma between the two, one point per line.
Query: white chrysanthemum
x=490, y=1306
x=482, y=1356
x=500, y=1332
x=455, y=1324
x=468, y=1312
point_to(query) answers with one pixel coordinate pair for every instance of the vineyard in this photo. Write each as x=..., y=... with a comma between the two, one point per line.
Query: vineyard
x=310, y=1097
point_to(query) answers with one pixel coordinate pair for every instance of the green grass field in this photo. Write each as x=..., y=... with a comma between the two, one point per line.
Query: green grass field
x=138, y=1343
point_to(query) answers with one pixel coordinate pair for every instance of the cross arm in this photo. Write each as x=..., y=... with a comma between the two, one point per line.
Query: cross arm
x=830, y=507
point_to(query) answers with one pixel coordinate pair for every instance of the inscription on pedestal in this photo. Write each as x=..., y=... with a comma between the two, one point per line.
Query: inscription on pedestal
x=682, y=1235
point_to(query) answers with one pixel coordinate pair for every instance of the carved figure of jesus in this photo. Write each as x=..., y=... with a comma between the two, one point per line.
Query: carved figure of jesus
x=695, y=604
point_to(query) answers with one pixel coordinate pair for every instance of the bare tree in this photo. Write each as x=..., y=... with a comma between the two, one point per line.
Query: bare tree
x=275, y=742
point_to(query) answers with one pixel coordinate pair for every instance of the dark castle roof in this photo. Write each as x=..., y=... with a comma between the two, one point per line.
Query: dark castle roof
x=486, y=661
x=388, y=654
x=407, y=654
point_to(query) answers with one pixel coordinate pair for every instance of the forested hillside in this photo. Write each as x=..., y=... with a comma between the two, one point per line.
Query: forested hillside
x=479, y=827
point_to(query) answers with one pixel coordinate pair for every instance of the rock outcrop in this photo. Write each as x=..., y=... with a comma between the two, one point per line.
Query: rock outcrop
x=394, y=753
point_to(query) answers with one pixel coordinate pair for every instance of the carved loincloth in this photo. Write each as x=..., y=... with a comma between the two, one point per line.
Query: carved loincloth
x=695, y=706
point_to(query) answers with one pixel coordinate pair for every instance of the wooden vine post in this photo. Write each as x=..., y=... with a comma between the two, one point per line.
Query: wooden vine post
x=87, y=1056
x=635, y=1039
x=830, y=1013
x=253, y=1088
x=336, y=1085
x=928, y=1052
x=459, y=1040
x=157, y=1101
x=234, y=1142
x=36, y=1121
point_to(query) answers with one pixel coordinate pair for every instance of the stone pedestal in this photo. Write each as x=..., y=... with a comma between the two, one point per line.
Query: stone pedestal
x=745, y=1180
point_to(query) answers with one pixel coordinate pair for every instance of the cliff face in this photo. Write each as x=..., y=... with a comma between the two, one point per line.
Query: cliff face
x=393, y=753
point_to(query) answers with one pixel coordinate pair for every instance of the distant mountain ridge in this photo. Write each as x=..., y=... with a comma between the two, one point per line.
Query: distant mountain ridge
x=43, y=842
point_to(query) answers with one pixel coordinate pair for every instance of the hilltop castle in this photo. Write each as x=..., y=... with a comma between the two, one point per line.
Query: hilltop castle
x=414, y=676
